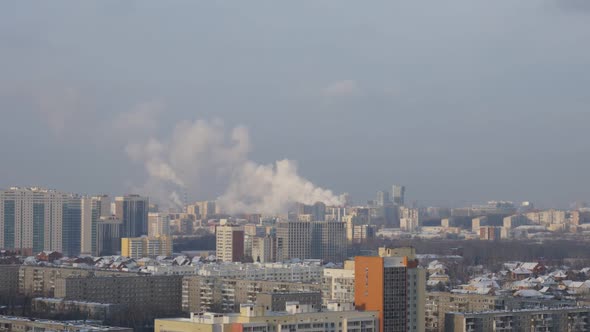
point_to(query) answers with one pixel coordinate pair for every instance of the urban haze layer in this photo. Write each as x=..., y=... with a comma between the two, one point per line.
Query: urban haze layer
x=74, y=262
x=295, y=166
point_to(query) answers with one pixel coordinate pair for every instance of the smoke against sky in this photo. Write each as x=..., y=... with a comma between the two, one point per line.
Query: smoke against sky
x=201, y=156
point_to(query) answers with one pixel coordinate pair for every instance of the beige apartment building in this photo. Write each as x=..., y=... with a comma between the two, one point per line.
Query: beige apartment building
x=139, y=247
x=547, y=320
x=296, y=318
x=205, y=293
x=439, y=303
x=40, y=281
x=338, y=285
x=229, y=242
x=22, y=324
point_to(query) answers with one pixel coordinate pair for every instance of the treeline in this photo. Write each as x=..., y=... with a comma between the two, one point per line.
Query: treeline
x=189, y=243
x=494, y=253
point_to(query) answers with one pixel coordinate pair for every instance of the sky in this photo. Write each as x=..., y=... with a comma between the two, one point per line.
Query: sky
x=462, y=101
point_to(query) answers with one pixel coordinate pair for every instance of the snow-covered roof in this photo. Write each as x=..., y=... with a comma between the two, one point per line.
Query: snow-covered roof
x=528, y=293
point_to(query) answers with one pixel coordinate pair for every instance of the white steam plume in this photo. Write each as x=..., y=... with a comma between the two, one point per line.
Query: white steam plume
x=201, y=158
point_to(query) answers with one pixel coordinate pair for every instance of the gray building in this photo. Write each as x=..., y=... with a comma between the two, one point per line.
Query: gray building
x=146, y=297
x=108, y=237
x=325, y=240
x=133, y=211
x=8, y=284
x=399, y=194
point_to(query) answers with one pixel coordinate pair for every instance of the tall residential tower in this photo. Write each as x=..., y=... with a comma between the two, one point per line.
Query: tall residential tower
x=35, y=219
x=393, y=285
x=132, y=210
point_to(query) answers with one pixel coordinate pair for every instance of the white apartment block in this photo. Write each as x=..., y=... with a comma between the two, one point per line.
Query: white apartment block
x=296, y=272
x=36, y=219
x=338, y=285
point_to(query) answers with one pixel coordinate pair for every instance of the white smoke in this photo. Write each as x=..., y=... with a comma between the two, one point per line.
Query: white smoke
x=203, y=159
x=270, y=189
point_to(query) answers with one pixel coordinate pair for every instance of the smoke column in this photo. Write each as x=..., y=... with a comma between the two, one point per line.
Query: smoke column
x=200, y=155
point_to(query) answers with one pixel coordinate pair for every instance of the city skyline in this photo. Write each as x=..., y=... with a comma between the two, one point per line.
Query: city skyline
x=495, y=111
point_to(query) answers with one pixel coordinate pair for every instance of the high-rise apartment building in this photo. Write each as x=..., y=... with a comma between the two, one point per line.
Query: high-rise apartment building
x=409, y=218
x=139, y=247
x=393, y=285
x=206, y=209
x=328, y=241
x=92, y=209
x=108, y=236
x=158, y=224
x=264, y=249
x=382, y=198
x=229, y=242
x=35, y=219
x=132, y=210
x=293, y=240
x=315, y=212
x=324, y=240
x=399, y=194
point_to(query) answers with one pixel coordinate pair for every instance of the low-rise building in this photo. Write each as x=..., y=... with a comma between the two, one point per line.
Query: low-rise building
x=52, y=307
x=297, y=317
x=550, y=320
x=291, y=272
x=146, y=297
x=200, y=293
x=439, y=303
x=40, y=281
x=19, y=324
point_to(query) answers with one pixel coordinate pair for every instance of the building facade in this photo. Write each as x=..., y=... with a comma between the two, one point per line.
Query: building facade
x=297, y=318
x=549, y=320
x=393, y=285
x=151, y=295
x=108, y=236
x=399, y=194
x=158, y=224
x=34, y=219
x=19, y=324
x=139, y=247
x=229, y=242
x=132, y=210
x=325, y=240
x=208, y=293
x=338, y=285
x=92, y=209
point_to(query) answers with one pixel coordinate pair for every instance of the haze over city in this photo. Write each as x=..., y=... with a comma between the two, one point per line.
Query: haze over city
x=300, y=166
x=462, y=101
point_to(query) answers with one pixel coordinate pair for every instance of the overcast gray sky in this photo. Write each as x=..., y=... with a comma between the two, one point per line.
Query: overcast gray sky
x=459, y=100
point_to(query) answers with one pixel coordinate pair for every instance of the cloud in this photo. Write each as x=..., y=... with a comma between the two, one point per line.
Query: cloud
x=344, y=88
